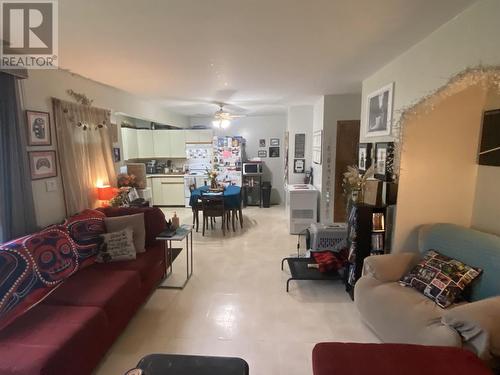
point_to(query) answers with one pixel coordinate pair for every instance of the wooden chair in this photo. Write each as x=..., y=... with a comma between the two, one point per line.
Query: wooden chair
x=196, y=208
x=234, y=214
x=212, y=207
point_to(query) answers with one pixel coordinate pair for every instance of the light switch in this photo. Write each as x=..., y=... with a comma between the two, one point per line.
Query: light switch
x=51, y=185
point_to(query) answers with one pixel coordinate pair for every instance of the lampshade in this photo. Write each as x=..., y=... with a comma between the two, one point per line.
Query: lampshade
x=105, y=193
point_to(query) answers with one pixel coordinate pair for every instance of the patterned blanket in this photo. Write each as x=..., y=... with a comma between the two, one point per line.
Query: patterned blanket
x=32, y=266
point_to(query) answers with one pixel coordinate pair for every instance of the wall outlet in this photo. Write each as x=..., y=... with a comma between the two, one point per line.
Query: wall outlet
x=51, y=185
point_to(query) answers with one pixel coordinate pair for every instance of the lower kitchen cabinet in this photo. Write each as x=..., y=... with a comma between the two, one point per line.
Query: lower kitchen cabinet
x=168, y=191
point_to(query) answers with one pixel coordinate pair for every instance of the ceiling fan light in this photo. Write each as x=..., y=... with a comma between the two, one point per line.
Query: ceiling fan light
x=224, y=123
x=216, y=124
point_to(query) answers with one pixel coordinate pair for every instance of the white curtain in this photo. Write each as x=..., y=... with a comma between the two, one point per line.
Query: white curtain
x=85, y=155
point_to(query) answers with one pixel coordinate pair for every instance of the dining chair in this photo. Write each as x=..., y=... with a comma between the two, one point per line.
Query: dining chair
x=196, y=208
x=212, y=207
x=235, y=213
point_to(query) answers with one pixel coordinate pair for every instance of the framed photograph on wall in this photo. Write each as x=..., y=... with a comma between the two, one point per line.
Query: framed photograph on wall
x=364, y=156
x=116, y=154
x=384, y=160
x=274, y=152
x=378, y=120
x=274, y=142
x=262, y=153
x=317, y=146
x=43, y=164
x=38, y=124
x=262, y=143
x=299, y=166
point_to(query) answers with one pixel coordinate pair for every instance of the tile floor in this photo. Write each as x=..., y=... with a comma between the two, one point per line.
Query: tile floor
x=236, y=305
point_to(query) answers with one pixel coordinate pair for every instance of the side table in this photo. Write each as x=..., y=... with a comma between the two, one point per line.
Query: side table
x=184, y=232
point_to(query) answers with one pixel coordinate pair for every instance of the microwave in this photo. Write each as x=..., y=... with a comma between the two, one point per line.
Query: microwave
x=252, y=168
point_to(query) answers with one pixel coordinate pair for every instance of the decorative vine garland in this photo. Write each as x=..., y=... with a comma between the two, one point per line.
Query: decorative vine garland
x=486, y=76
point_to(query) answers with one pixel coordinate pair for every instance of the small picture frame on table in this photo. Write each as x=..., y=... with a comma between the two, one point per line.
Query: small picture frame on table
x=364, y=156
x=38, y=126
x=384, y=160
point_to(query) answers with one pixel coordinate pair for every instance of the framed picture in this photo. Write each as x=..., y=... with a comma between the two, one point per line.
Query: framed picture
x=364, y=156
x=43, y=164
x=274, y=152
x=116, y=154
x=299, y=166
x=300, y=146
x=274, y=142
x=262, y=153
x=262, y=143
x=379, y=112
x=384, y=160
x=317, y=146
x=38, y=124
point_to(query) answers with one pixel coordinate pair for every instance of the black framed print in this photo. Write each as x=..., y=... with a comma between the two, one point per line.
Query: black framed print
x=299, y=166
x=364, y=156
x=379, y=112
x=274, y=152
x=38, y=124
x=384, y=161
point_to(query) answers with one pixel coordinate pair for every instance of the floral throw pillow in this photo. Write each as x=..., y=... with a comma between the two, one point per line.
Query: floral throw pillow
x=440, y=278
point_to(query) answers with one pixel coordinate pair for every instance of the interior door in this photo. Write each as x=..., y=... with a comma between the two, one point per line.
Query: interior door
x=347, y=154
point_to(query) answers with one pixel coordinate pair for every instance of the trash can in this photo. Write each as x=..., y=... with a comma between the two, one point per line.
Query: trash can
x=266, y=194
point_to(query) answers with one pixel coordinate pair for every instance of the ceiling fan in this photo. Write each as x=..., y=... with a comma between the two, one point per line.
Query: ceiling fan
x=222, y=119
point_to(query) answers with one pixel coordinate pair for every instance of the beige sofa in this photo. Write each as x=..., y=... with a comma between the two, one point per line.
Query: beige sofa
x=399, y=314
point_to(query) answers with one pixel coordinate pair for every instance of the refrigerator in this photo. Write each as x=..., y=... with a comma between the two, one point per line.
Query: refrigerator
x=227, y=158
x=198, y=161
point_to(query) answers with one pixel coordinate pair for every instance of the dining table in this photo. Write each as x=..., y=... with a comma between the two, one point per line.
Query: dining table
x=231, y=194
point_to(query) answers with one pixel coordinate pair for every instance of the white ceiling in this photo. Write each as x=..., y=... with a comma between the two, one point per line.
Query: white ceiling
x=260, y=55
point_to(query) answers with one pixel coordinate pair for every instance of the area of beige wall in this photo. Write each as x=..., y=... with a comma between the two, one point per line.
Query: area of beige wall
x=38, y=90
x=486, y=213
x=438, y=165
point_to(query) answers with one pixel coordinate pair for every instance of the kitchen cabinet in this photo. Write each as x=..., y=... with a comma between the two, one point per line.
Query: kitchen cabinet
x=177, y=143
x=145, y=144
x=161, y=143
x=168, y=191
x=169, y=143
x=129, y=143
x=199, y=136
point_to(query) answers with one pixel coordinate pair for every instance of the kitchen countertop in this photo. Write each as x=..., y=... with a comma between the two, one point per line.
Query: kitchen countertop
x=165, y=175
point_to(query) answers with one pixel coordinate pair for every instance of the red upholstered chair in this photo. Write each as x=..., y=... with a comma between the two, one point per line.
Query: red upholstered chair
x=333, y=358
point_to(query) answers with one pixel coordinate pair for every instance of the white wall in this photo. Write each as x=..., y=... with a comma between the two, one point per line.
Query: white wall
x=253, y=128
x=326, y=113
x=300, y=121
x=468, y=40
x=38, y=90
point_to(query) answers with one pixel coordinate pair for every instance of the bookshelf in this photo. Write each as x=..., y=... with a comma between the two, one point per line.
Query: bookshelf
x=366, y=236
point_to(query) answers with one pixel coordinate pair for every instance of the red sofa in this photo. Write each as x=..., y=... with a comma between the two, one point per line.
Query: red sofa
x=335, y=358
x=73, y=327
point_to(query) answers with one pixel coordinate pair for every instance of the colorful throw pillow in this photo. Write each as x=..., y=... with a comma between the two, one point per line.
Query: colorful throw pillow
x=31, y=266
x=86, y=228
x=440, y=278
x=117, y=246
x=134, y=222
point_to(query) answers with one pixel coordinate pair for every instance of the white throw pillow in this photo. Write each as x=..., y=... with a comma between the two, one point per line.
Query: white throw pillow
x=135, y=222
x=117, y=246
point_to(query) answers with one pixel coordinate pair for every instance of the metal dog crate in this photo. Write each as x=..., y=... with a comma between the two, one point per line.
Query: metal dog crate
x=321, y=237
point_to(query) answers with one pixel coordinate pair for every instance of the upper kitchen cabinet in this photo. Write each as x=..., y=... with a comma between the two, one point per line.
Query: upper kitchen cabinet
x=199, y=136
x=145, y=144
x=169, y=143
x=129, y=143
x=161, y=142
x=177, y=143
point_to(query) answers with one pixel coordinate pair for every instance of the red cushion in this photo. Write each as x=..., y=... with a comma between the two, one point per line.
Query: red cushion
x=385, y=359
x=31, y=266
x=85, y=228
x=154, y=219
x=54, y=340
x=143, y=264
x=116, y=292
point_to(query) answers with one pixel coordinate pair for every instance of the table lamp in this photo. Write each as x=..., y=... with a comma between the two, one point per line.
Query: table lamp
x=105, y=193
